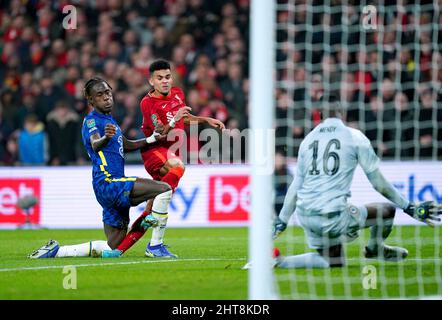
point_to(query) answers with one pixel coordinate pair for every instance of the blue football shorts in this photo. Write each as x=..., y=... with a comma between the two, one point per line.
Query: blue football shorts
x=114, y=197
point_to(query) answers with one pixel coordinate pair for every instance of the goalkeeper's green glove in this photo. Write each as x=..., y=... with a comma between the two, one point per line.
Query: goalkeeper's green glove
x=426, y=211
x=278, y=227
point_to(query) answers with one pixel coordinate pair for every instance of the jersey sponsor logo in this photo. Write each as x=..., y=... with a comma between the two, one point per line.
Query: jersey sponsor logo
x=11, y=191
x=169, y=116
x=90, y=123
x=229, y=198
x=93, y=129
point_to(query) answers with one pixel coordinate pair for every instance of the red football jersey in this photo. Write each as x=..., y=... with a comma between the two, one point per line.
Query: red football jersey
x=162, y=109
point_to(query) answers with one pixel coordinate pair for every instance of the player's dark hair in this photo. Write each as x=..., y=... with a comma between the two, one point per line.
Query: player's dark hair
x=331, y=105
x=158, y=65
x=329, y=97
x=91, y=83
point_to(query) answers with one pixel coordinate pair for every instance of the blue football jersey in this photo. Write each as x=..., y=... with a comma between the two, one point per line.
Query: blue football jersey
x=108, y=163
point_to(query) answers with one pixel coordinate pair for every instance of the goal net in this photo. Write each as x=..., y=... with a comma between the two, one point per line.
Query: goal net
x=384, y=61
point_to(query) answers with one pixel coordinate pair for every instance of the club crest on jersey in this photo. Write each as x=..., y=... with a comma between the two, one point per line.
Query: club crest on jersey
x=90, y=123
x=353, y=210
x=154, y=119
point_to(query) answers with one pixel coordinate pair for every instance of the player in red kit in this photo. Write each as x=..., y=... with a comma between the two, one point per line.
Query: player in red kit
x=163, y=109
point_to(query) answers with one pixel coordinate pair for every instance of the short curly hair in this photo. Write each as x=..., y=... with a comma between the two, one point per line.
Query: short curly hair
x=91, y=83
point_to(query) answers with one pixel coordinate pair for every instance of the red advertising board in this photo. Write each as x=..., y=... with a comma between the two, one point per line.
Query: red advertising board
x=11, y=190
x=229, y=198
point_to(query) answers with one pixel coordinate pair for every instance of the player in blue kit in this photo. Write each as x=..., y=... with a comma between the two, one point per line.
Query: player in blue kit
x=115, y=192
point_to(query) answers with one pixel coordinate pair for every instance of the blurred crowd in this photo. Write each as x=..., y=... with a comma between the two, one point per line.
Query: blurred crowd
x=44, y=67
x=388, y=79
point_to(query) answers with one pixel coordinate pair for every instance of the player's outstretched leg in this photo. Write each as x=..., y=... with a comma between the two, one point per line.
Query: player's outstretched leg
x=310, y=260
x=327, y=257
x=334, y=255
x=171, y=172
x=156, y=247
x=324, y=258
x=143, y=190
x=380, y=218
x=138, y=229
x=53, y=250
x=49, y=250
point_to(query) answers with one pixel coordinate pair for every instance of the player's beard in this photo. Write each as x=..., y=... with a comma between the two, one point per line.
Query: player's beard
x=165, y=90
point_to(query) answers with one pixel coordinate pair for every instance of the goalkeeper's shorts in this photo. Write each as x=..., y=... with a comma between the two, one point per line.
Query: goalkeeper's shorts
x=332, y=228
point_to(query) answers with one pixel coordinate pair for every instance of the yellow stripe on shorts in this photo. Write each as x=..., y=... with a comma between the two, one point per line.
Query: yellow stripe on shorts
x=122, y=179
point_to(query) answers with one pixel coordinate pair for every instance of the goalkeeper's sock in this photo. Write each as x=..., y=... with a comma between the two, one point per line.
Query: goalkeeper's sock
x=136, y=233
x=83, y=250
x=378, y=233
x=307, y=260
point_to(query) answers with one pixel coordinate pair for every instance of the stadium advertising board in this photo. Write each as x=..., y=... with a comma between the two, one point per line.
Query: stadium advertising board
x=215, y=195
x=11, y=191
x=229, y=198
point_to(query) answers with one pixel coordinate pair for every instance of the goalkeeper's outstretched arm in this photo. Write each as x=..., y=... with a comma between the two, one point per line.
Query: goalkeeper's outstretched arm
x=385, y=188
x=290, y=199
x=289, y=206
x=426, y=212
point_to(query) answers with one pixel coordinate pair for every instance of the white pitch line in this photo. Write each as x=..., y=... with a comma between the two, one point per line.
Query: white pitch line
x=179, y=260
x=424, y=260
x=115, y=263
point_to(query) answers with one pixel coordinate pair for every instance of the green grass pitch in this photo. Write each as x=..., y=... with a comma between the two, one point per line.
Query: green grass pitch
x=209, y=268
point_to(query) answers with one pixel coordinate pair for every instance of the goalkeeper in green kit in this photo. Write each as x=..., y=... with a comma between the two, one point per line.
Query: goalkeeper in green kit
x=327, y=159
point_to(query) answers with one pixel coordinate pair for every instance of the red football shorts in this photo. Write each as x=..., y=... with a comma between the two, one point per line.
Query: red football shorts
x=155, y=158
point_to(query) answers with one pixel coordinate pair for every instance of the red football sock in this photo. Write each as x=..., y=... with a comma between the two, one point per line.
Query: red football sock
x=135, y=234
x=173, y=177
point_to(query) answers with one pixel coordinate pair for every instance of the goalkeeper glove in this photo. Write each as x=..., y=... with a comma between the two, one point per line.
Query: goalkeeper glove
x=426, y=211
x=278, y=227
